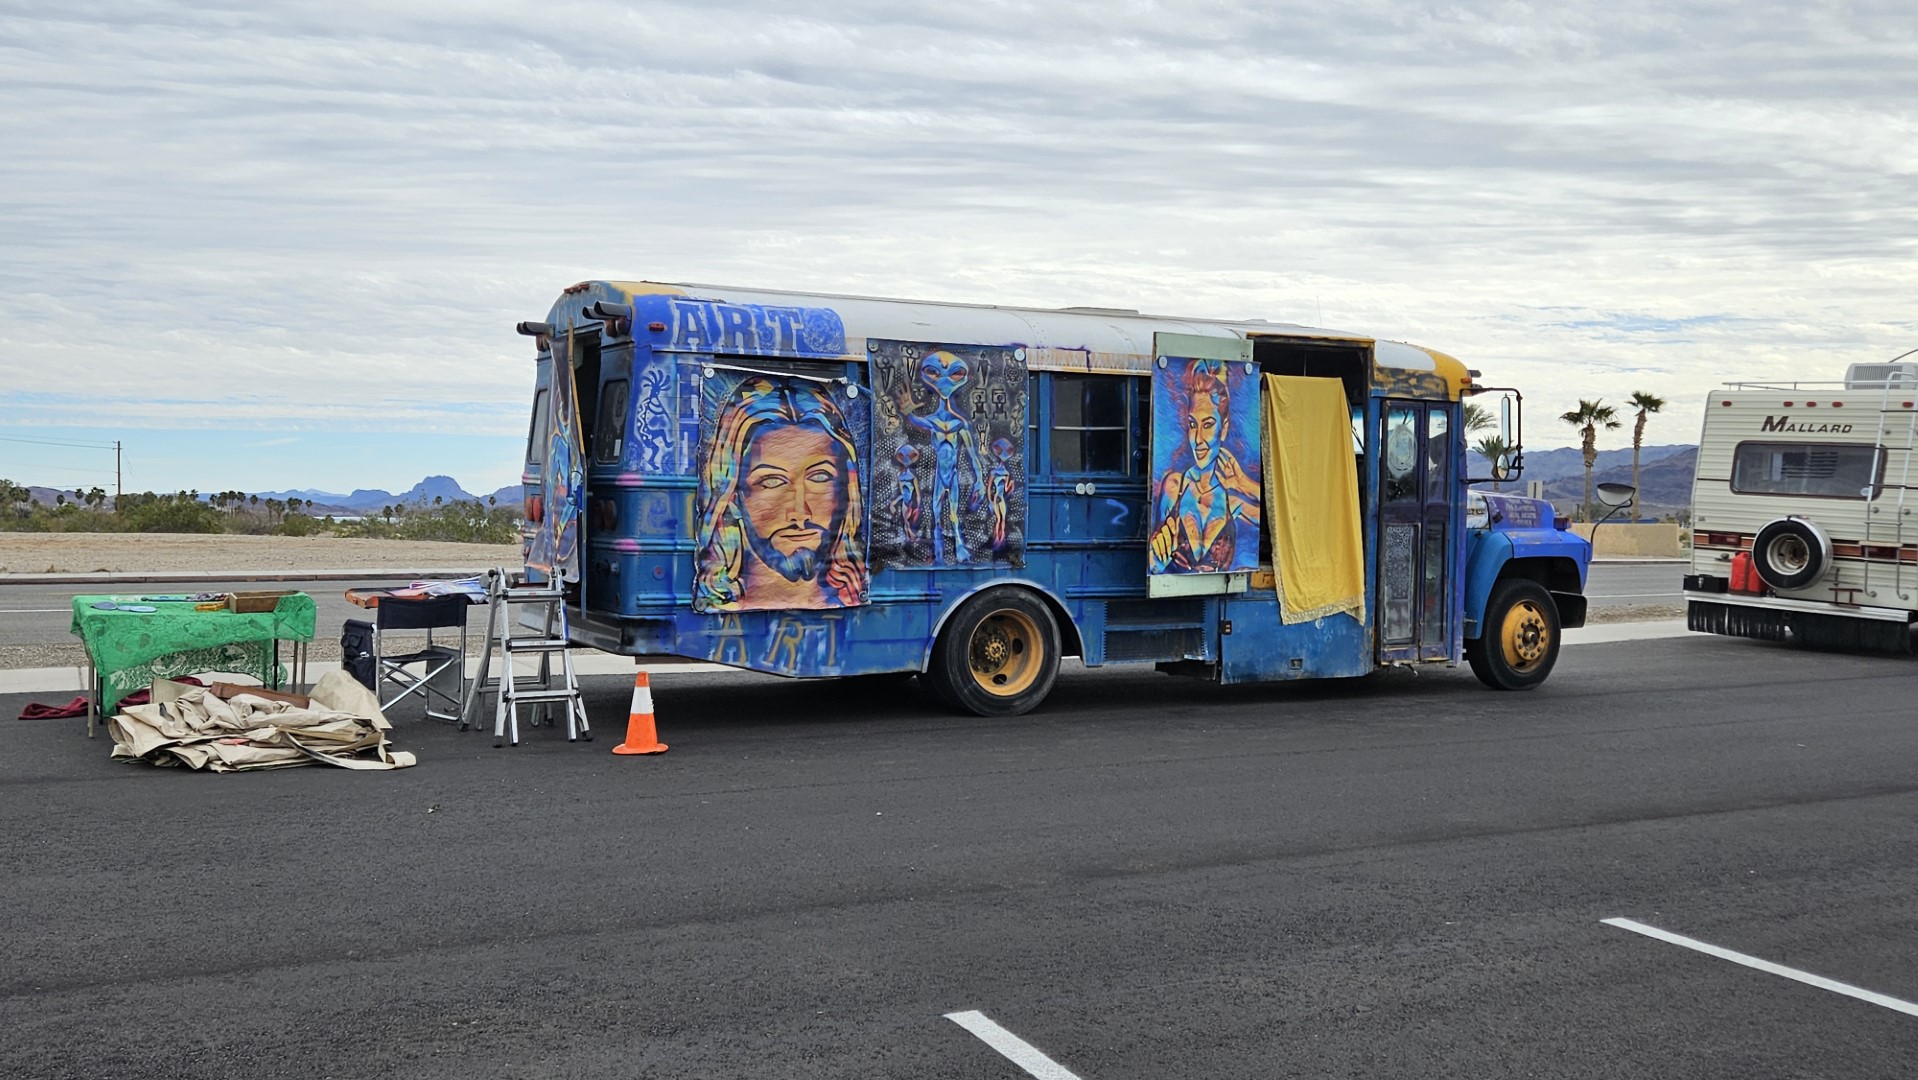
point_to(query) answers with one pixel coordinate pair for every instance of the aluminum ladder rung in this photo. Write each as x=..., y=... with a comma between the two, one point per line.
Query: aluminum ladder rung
x=530, y=645
x=533, y=696
x=512, y=689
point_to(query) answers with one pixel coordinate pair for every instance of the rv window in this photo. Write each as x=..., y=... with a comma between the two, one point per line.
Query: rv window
x=609, y=435
x=1091, y=424
x=542, y=425
x=1819, y=470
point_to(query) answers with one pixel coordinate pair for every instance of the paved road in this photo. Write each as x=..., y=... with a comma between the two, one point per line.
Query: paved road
x=1401, y=876
x=40, y=614
x=1635, y=584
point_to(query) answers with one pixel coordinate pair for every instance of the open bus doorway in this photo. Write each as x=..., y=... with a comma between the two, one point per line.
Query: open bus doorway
x=1348, y=363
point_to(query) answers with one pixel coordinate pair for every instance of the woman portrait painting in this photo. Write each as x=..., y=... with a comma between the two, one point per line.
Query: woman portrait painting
x=1207, y=509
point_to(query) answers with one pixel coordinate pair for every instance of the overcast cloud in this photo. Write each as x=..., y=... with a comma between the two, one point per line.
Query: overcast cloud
x=329, y=216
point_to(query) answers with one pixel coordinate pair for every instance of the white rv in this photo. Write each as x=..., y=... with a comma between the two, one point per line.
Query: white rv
x=1805, y=525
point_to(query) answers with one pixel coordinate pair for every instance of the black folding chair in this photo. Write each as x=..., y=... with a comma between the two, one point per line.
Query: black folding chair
x=440, y=680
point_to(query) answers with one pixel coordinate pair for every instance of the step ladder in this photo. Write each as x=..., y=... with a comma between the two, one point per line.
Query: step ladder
x=510, y=636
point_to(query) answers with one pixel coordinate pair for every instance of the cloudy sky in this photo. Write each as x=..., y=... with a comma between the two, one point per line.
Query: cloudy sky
x=283, y=245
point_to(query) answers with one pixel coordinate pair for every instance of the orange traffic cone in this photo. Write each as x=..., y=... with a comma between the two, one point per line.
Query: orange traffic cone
x=640, y=736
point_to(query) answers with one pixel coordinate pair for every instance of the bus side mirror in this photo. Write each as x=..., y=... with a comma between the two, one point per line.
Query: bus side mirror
x=1614, y=495
x=1502, y=467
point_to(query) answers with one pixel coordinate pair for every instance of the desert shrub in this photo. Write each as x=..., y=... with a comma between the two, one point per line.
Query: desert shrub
x=463, y=522
x=181, y=513
x=299, y=525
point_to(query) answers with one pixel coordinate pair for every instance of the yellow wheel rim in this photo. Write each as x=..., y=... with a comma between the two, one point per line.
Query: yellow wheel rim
x=1526, y=636
x=1005, y=653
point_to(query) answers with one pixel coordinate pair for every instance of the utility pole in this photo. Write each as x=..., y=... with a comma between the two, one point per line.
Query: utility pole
x=116, y=469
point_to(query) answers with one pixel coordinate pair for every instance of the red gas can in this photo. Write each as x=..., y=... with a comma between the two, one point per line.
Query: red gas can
x=1743, y=580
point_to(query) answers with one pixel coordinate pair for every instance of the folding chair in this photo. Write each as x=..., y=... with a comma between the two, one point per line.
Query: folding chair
x=440, y=681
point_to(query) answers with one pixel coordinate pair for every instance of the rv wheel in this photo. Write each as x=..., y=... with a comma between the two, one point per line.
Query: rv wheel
x=1520, y=640
x=1791, y=553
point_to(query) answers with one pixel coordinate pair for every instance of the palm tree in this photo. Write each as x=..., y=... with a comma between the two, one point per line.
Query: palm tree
x=1588, y=418
x=1478, y=417
x=1491, y=448
x=1646, y=404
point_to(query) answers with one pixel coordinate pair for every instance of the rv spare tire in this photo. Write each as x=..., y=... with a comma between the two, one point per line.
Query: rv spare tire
x=1791, y=553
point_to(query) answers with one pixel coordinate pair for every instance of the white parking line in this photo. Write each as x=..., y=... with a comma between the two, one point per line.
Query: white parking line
x=1630, y=595
x=1805, y=977
x=32, y=610
x=1016, y=1050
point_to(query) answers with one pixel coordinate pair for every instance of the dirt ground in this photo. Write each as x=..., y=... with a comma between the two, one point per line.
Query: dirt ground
x=79, y=553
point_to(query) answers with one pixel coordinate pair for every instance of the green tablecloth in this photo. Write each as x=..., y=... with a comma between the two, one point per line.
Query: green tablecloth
x=130, y=648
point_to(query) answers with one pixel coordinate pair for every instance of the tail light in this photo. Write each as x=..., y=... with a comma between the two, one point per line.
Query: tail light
x=535, y=508
x=605, y=515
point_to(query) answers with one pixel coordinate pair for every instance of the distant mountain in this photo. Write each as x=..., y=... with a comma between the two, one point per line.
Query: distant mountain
x=52, y=496
x=1564, y=461
x=1665, y=486
x=435, y=487
x=362, y=500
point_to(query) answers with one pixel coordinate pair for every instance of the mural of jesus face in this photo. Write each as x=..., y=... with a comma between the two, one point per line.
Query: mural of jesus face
x=794, y=498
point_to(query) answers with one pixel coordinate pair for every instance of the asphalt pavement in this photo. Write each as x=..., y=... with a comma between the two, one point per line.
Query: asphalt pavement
x=40, y=614
x=1635, y=583
x=1398, y=876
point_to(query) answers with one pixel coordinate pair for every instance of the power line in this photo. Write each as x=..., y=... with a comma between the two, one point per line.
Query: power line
x=57, y=442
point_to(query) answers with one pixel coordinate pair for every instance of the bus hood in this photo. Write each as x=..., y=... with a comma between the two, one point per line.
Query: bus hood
x=1503, y=513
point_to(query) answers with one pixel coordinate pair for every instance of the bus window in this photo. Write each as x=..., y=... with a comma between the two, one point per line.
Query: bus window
x=1091, y=424
x=536, y=435
x=1401, y=441
x=609, y=435
x=1437, y=453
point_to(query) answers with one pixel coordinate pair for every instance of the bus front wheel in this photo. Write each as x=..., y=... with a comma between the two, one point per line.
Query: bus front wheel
x=1521, y=635
x=998, y=655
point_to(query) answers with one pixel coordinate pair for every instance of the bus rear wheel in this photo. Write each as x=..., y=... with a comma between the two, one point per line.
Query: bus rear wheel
x=1521, y=636
x=998, y=655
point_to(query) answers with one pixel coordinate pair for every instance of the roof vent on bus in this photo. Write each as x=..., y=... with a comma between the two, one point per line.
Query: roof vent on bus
x=1880, y=376
x=1101, y=310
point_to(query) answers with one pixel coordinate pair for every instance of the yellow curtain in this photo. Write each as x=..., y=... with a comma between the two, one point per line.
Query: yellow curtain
x=1312, y=499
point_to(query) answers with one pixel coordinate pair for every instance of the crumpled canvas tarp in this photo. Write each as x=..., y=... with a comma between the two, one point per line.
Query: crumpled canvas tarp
x=1312, y=499
x=190, y=726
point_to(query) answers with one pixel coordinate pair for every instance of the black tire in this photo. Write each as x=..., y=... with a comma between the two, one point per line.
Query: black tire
x=1790, y=553
x=1521, y=636
x=998, y=655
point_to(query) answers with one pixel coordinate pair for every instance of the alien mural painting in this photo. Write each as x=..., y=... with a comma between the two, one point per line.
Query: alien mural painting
x=781, y=509
x=949, y=432
x=1205, y=467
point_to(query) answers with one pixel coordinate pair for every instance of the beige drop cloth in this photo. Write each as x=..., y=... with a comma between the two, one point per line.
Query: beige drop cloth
x=187, y=725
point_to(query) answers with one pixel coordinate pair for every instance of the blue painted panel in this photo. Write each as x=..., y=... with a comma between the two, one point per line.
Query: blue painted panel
x=1261, y=648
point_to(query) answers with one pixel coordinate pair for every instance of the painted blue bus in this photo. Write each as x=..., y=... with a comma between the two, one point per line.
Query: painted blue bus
x=814, y=485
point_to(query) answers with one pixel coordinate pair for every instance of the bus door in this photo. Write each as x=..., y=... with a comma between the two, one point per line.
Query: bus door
x=1416, y=496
